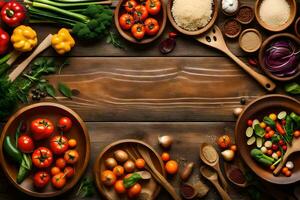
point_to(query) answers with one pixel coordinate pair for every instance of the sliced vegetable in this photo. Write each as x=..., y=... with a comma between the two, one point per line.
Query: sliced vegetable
x=259, y=142
x=251, y=140
x=249, y=132
x=282, y=115
x=256, y=121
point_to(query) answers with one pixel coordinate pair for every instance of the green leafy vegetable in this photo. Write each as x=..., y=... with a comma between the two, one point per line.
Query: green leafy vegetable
x=86, y=188
x=259, y=131
x=260, y=157
x=25, y=168
x=65, y=90
x=289, y=129
x=292, y=88
x=133, y=179
x=269, y=121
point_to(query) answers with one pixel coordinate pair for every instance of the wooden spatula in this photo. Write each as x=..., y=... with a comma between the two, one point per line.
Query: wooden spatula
x=292, y=148
x=215, y=39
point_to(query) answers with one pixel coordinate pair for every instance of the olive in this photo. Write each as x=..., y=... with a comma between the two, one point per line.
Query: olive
x=33, y=97
x=243, y=101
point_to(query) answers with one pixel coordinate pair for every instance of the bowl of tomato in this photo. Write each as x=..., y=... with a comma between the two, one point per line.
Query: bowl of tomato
x=45, y=149
x=140, y=21
x=263, y=134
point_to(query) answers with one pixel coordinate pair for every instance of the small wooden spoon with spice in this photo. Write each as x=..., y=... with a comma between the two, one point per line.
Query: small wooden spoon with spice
x=235, y=175
x=210, y=156
x=212, y=176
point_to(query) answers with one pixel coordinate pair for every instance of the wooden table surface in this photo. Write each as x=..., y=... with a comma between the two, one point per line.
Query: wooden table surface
x=138, y=93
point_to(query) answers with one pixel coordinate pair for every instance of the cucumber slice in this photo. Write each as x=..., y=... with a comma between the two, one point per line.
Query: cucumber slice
x=259, y=142
x=249, y=132
x=256, y=121
x=251, y=140
x=282, y=115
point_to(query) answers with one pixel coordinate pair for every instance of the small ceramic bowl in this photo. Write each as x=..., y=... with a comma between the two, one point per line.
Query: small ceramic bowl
x=248, y=21
x=297, y=27
x=229, y=35
x=262, y=50
x=293, y=6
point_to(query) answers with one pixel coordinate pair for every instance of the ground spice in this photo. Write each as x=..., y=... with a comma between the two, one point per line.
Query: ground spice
x=250, y=40
x=232, y=28
x=237, y=176
x=245, y=14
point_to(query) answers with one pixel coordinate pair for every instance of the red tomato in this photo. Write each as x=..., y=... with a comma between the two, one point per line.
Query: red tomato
x=25, y=144
x=69, y=172
x=249, y=122
x=41, y=128
x=42, y=157
x=140, y=13
x=224, y=141
x=59, y=180
x=138, y=31
x=60, y=163
x=126, y=21
x=130, y=5
x=152, y=26
x=65, y=124
x=153, y=6
x=41, y=179
x=71, y=156
x=59, y=144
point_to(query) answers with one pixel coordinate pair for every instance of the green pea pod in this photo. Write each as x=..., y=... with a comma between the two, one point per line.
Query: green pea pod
x=25, y=168
x=11, y=150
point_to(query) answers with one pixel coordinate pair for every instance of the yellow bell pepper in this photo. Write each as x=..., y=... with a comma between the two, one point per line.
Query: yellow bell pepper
x=24, y=38
x=62, y=42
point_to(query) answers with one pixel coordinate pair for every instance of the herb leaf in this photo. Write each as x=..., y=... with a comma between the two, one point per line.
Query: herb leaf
x=50, y=90
x=86, y=188
x=65, y=90
x=292, y=88
x=259, y=131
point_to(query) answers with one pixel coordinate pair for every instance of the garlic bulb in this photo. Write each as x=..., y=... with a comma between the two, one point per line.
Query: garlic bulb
x=230, y=6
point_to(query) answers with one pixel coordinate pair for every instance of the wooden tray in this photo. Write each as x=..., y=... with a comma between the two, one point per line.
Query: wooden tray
x=108, y=151
x=53, y=112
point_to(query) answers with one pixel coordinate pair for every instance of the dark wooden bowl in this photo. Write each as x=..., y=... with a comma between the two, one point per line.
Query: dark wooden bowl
x=257, y=110
x=293, y=6
x=197, y=32
x=53, y=112
x=108, y=151
x=297, y=25
x=161, y=18
x=231, y=36
x=263, y=48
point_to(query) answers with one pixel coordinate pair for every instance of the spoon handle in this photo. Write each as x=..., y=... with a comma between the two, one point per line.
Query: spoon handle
x=282, y=163
x=221, y=191
x=222, y=178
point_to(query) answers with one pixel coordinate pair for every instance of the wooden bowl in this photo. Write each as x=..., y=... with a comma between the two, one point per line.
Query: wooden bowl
x=53, y=112
x=197, y=32
x=297, y=25
x=152, y=186
x=263, y=48
x=259, y=38
x=231, y=36
x=257, y=110
x=293, y=6
x=161, y=18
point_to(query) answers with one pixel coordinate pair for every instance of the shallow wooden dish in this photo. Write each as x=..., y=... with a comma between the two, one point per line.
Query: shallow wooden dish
x=197, y=32
x=257, y=110
x=52, y=111
x=259, y=36
x=293, y=6
x=108, y=151
x=161, y=18
x=265, y=44
x=297, y=24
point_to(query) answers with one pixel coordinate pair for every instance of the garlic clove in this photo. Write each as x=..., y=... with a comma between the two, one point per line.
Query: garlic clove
x=165, y=141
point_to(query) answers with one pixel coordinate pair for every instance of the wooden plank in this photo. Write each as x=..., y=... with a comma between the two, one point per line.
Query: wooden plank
x=188, y=138
x=156, y=89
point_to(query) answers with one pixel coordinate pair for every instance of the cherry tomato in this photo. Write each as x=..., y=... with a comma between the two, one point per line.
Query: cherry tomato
x=130, y=5
x=41, y=179
x=224, y=141
x=249, y=122
x=171, y=167
x=72, y=143
x=71, y=156
x=41, y=128
x=297, y=134
x=118, y=171
x=274, y=147
x=108, y=178
x=59, y=144
x=25, y=144
x=284, y=170
x=69, y=172
x=60, y=163
x=269, y=152
x=268, y=128
x=140, y=13
x=165, y=156
x=65, y=124
x=42, y=157
x=119, y=187
x=279, y=154
x=153, y=6
x=281, y=142
x=233, y=147
x=284, y=147
x=140, y=163
x=59, y=180
x=271, y=133
x=152, y=26
x=126, y=21
x=288, y=173
x=134, y=191
x=55, y=170
x=138, y=31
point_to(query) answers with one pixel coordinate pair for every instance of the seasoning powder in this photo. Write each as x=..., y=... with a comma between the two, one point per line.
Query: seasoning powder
x=232, y=27
x=250, y=41
x=245, y=14
x=275, y=12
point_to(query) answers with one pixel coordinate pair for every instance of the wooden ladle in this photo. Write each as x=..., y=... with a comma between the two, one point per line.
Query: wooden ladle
x=215, y=39
x=210, y=156
x=212, y=176
x=292, y=148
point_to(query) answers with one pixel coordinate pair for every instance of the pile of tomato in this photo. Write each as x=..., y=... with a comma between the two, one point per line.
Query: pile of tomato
x=139, y=18
x=52, y=162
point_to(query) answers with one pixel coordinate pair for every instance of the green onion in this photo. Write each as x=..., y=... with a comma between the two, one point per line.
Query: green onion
x=58, y=4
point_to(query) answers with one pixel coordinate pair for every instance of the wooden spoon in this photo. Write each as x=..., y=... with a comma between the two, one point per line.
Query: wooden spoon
x=292, y=148
x=215, y=39
x=229, y=168
x=210, y=156
x=212, y=176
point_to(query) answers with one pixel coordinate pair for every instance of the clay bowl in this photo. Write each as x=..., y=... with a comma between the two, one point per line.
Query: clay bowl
x=53, y=112
x=297, y=27
x=257, y=110
x=148, y=186
x=161, y=18
x=263, y=48
x=197, y=32
x=293, y=6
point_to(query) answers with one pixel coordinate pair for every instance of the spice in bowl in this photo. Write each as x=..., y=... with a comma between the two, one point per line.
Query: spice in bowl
x=230, y=7
x=245, y=15
x=232, y=28
x=250, y=40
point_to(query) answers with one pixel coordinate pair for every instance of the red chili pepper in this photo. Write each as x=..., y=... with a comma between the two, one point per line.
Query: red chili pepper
x=4, y=41
x=279, y=128
x=172, y=34
x=13, y=13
